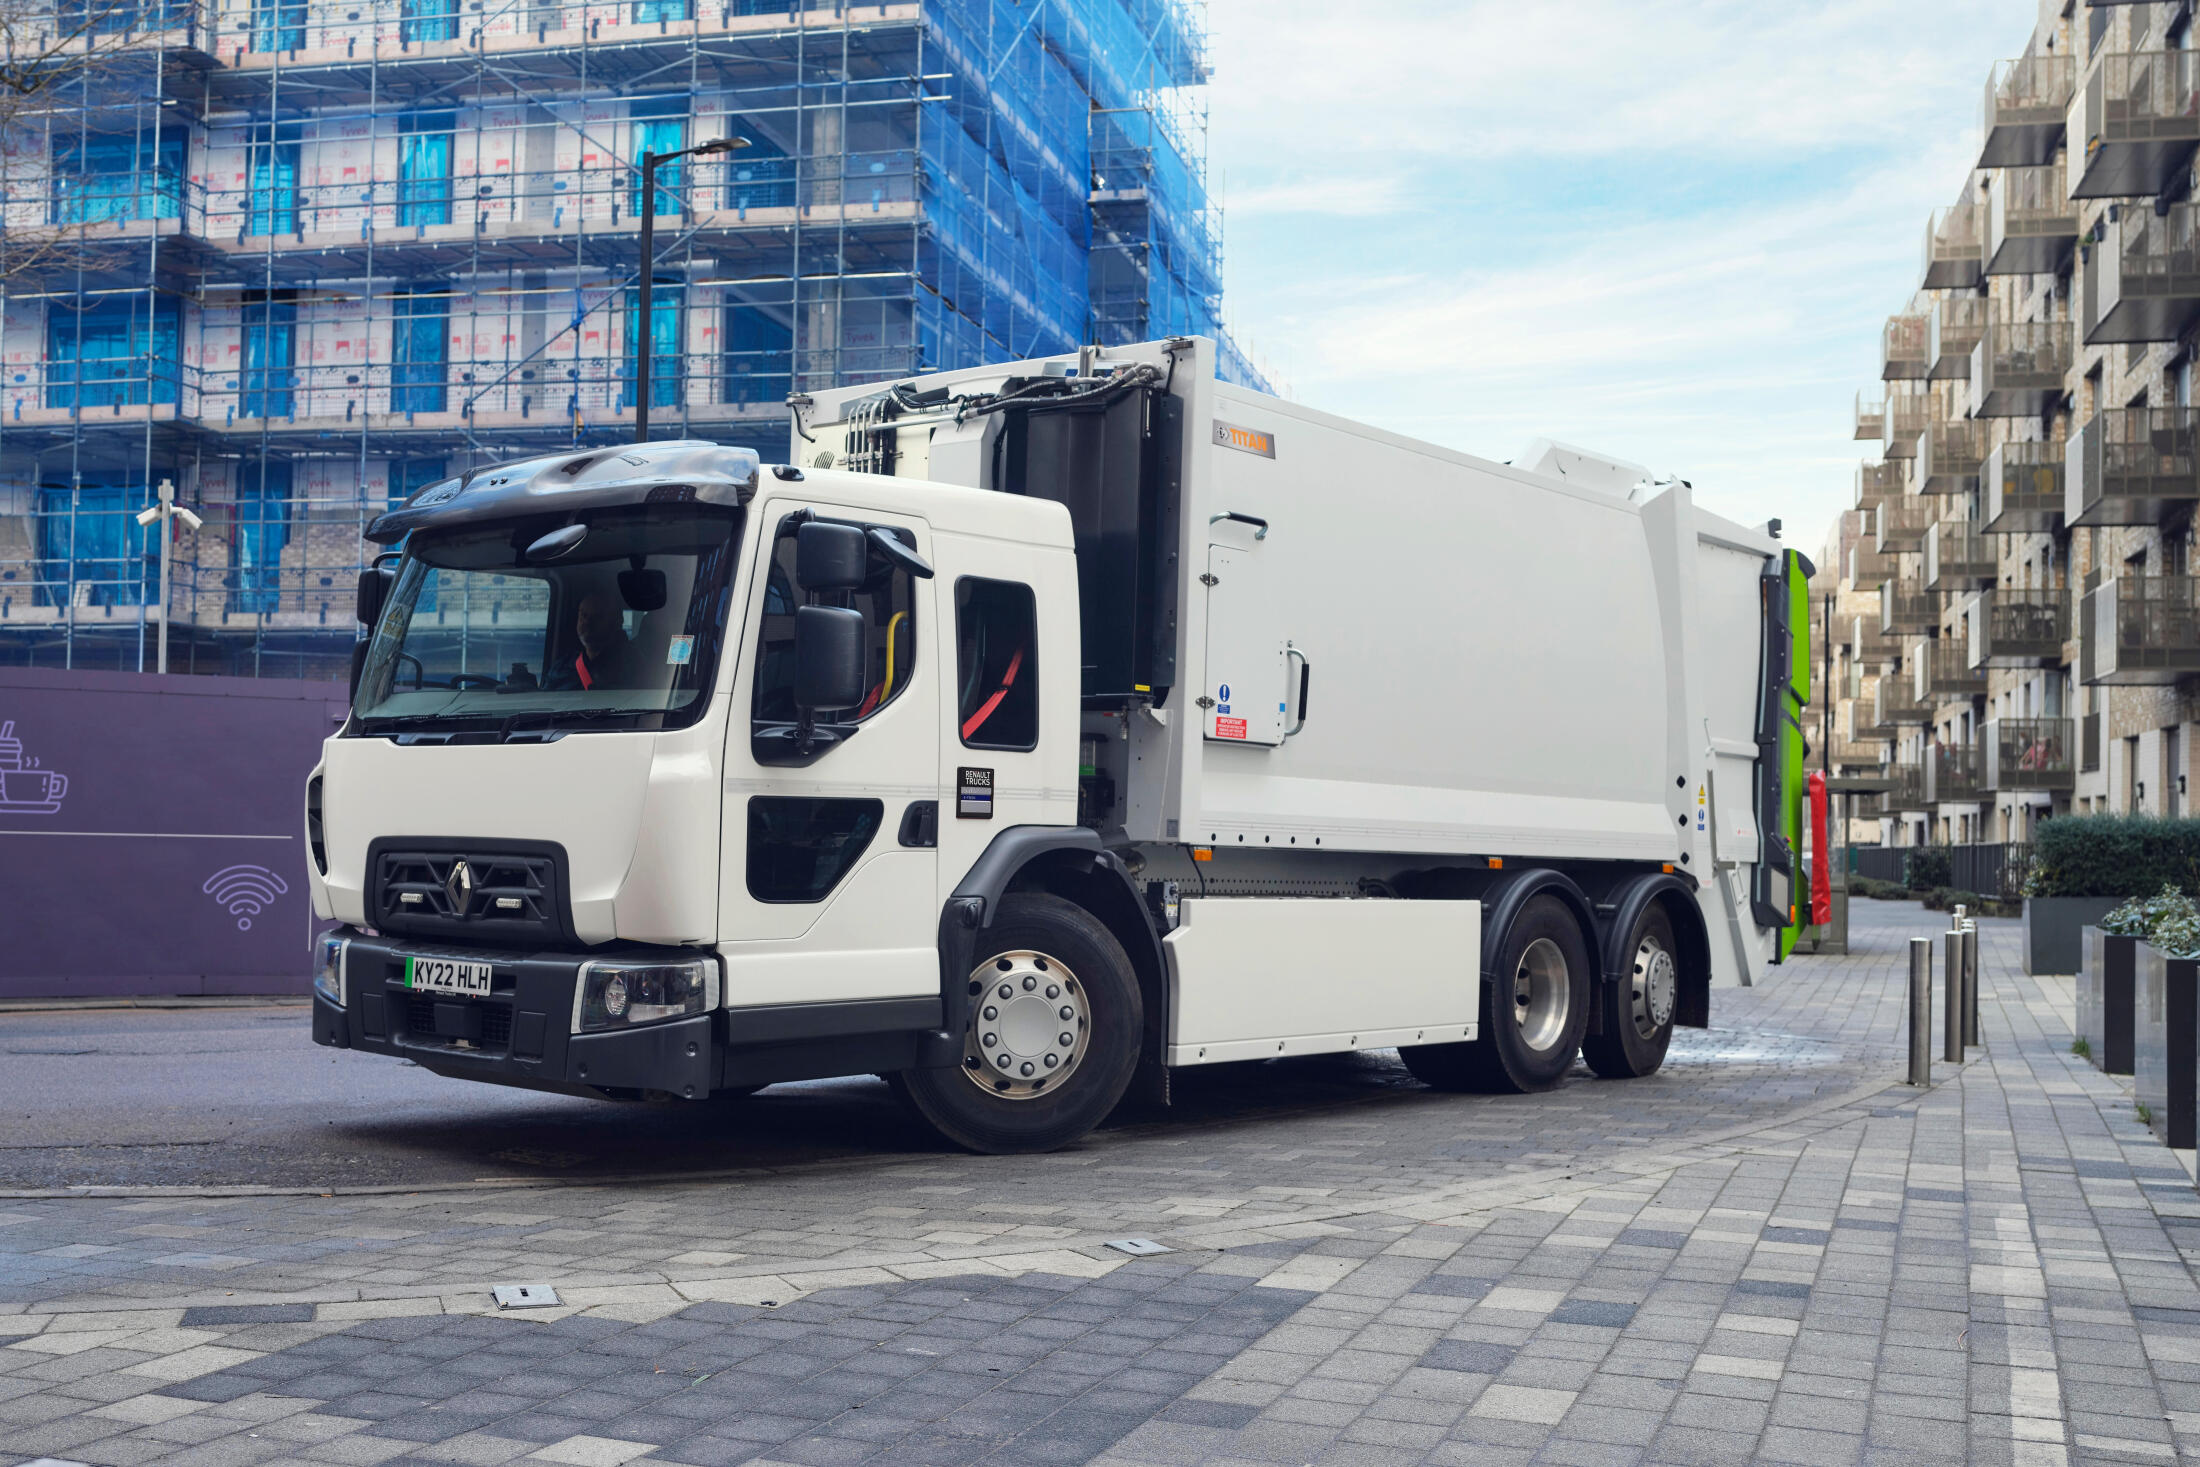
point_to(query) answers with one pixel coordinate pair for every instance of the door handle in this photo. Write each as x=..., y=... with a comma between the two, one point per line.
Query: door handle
x=920, y=825
x=1306, y=675
x=1260, y=526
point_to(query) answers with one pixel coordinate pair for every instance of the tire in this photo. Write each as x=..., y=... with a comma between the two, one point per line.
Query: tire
x=1638, y=1009
x=1005, y=1097
x=1525, y=1046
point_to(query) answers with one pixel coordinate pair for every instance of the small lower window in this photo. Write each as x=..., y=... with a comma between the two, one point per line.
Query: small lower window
x=997, y=664
x=800, y=849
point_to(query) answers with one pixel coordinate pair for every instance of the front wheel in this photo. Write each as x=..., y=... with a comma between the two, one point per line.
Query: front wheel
x=1055, y=1019
x=1638, y=1009
x=1533, y=1013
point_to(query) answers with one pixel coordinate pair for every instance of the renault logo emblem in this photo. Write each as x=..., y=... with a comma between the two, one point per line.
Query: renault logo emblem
x=459, y=887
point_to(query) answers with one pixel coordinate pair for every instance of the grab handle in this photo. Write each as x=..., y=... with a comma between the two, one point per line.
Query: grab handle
x=1260, y=530
x=1306, y=673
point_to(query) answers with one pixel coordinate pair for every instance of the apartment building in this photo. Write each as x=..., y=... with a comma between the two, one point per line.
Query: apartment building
x=2011, y=602
x=302, y=257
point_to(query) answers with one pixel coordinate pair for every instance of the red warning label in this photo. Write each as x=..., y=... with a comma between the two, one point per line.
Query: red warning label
x=1229, y=728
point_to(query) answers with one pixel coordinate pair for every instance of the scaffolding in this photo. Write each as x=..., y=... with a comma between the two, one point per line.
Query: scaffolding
x=304, y=257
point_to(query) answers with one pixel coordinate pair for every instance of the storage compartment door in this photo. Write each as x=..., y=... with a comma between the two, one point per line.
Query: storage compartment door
x=1246, y=656
x=1258, y=977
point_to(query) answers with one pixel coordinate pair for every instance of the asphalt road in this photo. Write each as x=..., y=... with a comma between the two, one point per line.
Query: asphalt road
x=243, y=1097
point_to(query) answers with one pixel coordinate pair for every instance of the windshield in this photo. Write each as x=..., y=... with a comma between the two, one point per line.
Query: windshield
x=620, y=631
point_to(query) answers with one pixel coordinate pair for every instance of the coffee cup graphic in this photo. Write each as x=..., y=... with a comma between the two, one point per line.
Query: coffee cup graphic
x=26, y=789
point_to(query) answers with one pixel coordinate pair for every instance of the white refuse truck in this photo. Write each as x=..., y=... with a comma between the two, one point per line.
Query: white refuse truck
x=1039, y=729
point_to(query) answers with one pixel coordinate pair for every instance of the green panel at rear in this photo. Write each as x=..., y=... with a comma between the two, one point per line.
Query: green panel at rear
x=1794, y=794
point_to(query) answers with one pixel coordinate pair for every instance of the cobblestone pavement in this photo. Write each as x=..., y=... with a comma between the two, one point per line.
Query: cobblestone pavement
x=1771, y=1251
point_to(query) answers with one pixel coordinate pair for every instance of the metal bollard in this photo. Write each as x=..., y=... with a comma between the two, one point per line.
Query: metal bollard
x=1921, y=1011
x=1956, y=917
x=1970, y=982
x=1952, y=997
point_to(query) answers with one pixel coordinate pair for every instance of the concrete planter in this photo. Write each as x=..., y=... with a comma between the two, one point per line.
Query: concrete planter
x=2053, y=928
x=2165, y=1036
x=2104, y=1000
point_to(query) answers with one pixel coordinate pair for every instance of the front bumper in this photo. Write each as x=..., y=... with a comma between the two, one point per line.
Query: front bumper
x=521, y=1033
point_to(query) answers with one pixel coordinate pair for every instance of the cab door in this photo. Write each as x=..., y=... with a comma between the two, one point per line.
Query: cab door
x=830, y=869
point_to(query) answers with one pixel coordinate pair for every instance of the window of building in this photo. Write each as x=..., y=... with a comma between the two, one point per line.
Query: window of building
x=270, y=346
x=273, y=204
x=888, y=604
x=666, y=363
x=420, y=321
x=996, y=664
x=118, y=176
x=91, y=551
x=257, y=539
x=659, y=125
x=759, y=354
x=760, y=176
x=424, y=164
x=431, y=20
x=278, y=25
x=112, y=351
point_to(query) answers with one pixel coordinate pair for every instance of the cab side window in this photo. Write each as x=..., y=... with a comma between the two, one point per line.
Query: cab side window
x=890, y=635
x=996, y=664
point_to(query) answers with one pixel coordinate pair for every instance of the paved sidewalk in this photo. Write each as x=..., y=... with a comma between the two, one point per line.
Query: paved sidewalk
x=1772, y=1252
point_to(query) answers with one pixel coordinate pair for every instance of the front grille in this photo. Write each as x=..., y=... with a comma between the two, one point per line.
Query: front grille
x=495, y=1020
x=502, y=896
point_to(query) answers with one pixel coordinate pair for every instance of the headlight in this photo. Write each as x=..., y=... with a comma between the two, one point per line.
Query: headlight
x=328, y=973
x=622, y=995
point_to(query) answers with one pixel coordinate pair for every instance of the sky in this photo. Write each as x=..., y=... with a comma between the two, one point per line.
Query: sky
x=1668, y=232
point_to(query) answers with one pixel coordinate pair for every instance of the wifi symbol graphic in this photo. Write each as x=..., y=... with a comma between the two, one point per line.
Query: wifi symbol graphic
x=244, y=891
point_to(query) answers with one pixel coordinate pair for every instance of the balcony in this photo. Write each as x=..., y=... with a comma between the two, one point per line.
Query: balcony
x=1866, y=566
x=1904, y=606
x=2132, y=466
x=2137, y=629
x=1907, y=791
x=1952, y=774
x=1907, y=415
x=2018, y=367
x=1940, y=670
x=2031, y=225
x=1871, y=418
x=1876, y=482
x=1956, y=555
x=1895, y=702
x=1949, y=456
x=1900, y=525
x=1863, y=756
x=1955, y=254
x=2023, y=484
x=2133, y=123
x=2019, y=627
x=1854, y=720
x=2144, y=284
x=2029, y=754
x=2027, y=106
x=1902, y=349
x=1870, y=645
x=1957, y=321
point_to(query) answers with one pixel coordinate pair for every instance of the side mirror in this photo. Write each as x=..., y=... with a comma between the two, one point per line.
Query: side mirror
x=828, y=656
x=375, y=584
x=830, y=557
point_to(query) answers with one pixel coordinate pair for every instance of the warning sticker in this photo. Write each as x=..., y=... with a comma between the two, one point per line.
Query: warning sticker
x=1229, y=728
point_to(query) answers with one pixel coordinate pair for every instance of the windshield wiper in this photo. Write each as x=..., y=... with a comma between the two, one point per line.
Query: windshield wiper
x=552, y=717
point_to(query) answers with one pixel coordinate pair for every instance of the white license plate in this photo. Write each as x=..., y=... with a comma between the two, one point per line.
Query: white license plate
x=447, y=975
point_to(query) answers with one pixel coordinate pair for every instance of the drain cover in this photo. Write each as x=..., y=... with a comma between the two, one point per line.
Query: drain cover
x=1138, y=1247
x=525, y=1296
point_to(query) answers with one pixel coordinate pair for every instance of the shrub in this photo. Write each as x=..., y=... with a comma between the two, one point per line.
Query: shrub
x=2113, y=856
x=1948, y=898
x=2179, y=934
x=2169, y=919
x=1929, y=867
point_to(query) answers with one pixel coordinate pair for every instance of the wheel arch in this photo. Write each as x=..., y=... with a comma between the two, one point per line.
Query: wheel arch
x=1502, y=904
x=1692, y=1004
x=1068, y=862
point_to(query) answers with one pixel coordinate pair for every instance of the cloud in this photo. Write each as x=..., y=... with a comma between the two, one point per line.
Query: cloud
x=1670, y=231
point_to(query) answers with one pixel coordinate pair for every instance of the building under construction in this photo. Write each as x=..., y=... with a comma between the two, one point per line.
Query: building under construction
x=302, y=257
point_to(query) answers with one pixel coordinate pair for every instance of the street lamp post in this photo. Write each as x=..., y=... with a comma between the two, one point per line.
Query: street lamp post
x=165, y=513
x=650, y=160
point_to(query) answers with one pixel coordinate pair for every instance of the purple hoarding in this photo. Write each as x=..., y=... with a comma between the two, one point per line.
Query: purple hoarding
x=151, y=832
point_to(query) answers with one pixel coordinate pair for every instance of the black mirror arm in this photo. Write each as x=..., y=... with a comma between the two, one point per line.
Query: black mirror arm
x=883, y=541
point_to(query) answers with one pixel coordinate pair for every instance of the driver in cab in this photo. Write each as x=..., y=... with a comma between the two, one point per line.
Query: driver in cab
x=606, y=654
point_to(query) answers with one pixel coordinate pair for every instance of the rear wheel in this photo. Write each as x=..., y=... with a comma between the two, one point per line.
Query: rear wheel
x=1055, y=1019
x=1533, y=1014
x=1638, y=1009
